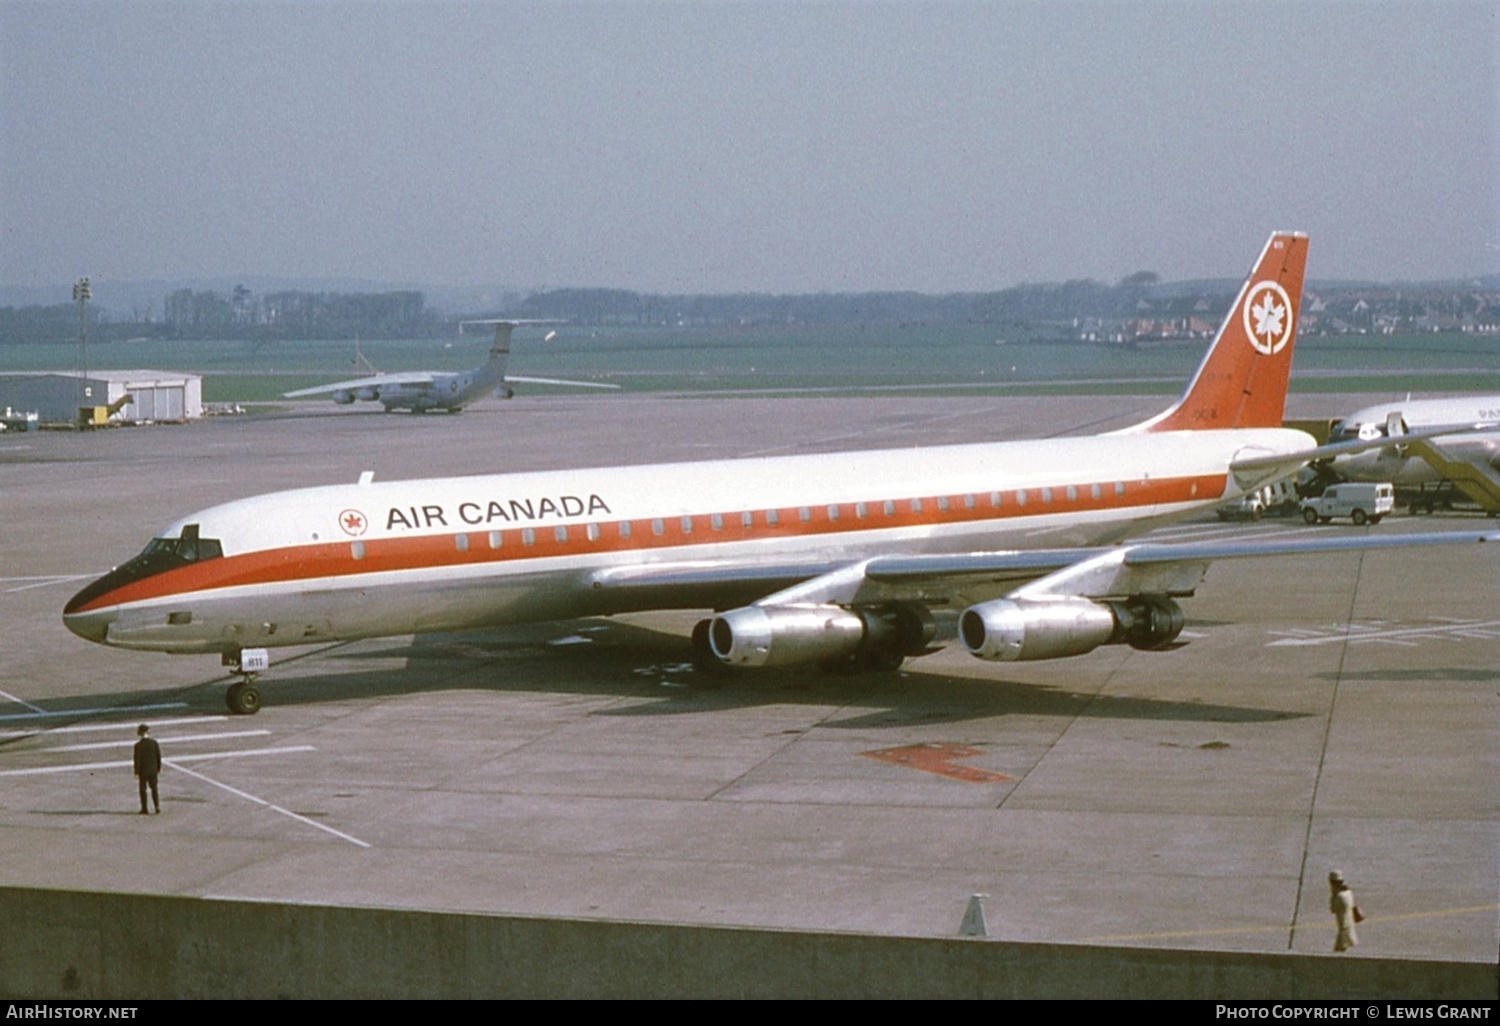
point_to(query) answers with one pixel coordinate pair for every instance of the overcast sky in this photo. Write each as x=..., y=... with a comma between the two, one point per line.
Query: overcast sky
x=712, y=147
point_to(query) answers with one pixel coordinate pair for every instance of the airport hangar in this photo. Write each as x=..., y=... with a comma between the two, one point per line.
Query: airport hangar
x=560, y=809
x=57, y=396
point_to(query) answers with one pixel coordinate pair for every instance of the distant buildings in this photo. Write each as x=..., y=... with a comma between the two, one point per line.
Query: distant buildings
x=1337, y=310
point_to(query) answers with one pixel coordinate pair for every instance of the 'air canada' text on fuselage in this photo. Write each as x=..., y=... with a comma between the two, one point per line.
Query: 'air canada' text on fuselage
x=510, y=510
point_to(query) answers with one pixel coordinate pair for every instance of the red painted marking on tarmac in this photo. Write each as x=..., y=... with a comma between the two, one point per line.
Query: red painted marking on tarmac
x=938, y=758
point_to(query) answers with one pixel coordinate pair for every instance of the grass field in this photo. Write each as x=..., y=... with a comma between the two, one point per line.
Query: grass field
x=949, y=359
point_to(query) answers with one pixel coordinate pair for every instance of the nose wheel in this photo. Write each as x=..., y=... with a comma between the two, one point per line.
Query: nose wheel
x=243, y=697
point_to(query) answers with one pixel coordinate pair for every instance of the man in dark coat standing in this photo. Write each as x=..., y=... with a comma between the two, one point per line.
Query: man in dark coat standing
x=147, y=765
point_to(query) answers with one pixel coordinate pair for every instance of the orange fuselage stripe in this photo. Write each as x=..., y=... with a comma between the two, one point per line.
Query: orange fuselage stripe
x=385, y=555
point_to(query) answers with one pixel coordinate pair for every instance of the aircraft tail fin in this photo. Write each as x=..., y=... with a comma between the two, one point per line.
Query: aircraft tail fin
x=1242, y=381
x=500, y=348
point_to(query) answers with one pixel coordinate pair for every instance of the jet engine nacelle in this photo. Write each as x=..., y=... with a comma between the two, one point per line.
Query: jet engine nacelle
x=779, y=635
x=878, y=637
x=343, y=397
x=505, y=393
x=368, y=394
x=1012, y=630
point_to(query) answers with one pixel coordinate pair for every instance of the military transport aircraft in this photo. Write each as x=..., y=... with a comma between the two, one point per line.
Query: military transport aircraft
x=836, y=558
x=423, y=391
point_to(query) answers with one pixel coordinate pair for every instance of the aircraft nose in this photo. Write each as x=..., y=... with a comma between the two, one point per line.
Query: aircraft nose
x=91, y=625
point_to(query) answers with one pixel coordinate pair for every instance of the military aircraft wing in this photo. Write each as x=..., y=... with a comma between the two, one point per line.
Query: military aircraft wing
x=558, y=381
x=405, y=378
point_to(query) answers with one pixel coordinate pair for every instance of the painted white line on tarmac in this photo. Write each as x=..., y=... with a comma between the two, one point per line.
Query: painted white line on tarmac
x=78, y=766
x=21, y=701
x=78, y=729
x=95, y=745
x=48, y=577
x=101, y=710
x=261, y=801
x=1356, y=634
x=42, y=582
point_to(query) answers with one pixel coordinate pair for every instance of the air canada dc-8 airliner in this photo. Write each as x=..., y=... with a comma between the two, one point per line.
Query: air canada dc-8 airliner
x=838, y=558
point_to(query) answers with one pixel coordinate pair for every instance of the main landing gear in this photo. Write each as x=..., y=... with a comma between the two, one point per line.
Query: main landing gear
x=243, y=697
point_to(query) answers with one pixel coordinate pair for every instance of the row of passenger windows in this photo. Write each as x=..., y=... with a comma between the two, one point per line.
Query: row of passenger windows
x=772, y=517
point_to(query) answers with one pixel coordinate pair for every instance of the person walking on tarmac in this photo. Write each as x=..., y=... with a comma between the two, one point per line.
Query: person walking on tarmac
x=1345, y=912
x=147, y=766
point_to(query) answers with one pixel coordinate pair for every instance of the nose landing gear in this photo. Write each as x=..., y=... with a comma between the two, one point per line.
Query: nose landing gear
x=243, y=697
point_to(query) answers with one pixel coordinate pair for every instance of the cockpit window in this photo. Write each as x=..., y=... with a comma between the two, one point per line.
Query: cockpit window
x=159, y=556
x=1349, y=432
x=189, y=548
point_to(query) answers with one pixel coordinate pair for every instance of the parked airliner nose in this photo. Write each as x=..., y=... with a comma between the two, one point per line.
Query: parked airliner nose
x=92, y=625
x=89, y=626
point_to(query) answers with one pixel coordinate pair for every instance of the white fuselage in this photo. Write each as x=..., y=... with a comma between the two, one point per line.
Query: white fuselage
x=362, y=560
x=1395, y=464
x=451, y=392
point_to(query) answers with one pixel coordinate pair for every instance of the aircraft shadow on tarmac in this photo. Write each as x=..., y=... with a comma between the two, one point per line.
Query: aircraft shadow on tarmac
x=609, y=658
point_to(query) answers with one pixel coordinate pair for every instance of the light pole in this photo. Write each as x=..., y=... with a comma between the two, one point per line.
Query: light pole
x=81, y=297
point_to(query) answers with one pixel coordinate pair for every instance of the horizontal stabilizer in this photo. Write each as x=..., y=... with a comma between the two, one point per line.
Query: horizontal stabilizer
x=560, y=381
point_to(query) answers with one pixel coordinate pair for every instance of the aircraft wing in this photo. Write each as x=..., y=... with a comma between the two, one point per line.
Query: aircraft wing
x=1155, y=568
x=410, y=379
x=1116, y=571
x=558, y=381
x=403, y=378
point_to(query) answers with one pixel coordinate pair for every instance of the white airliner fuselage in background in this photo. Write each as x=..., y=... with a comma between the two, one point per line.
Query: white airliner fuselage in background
x=1398, y=463
x=838, y=558
x=425, y=391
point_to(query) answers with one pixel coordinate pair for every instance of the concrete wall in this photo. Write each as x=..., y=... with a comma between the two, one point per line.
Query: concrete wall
x=61, y=944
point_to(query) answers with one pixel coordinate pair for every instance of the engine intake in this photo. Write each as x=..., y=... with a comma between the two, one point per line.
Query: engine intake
x=1013, y=630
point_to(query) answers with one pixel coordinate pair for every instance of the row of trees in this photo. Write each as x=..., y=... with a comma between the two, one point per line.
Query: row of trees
x=190, y=314
x=1032, y=303
x=206, y=314
x=1056, y=310
x=290, y=314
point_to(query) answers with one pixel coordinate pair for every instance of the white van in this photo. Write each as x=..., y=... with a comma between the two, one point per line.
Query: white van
x=1359, y=501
